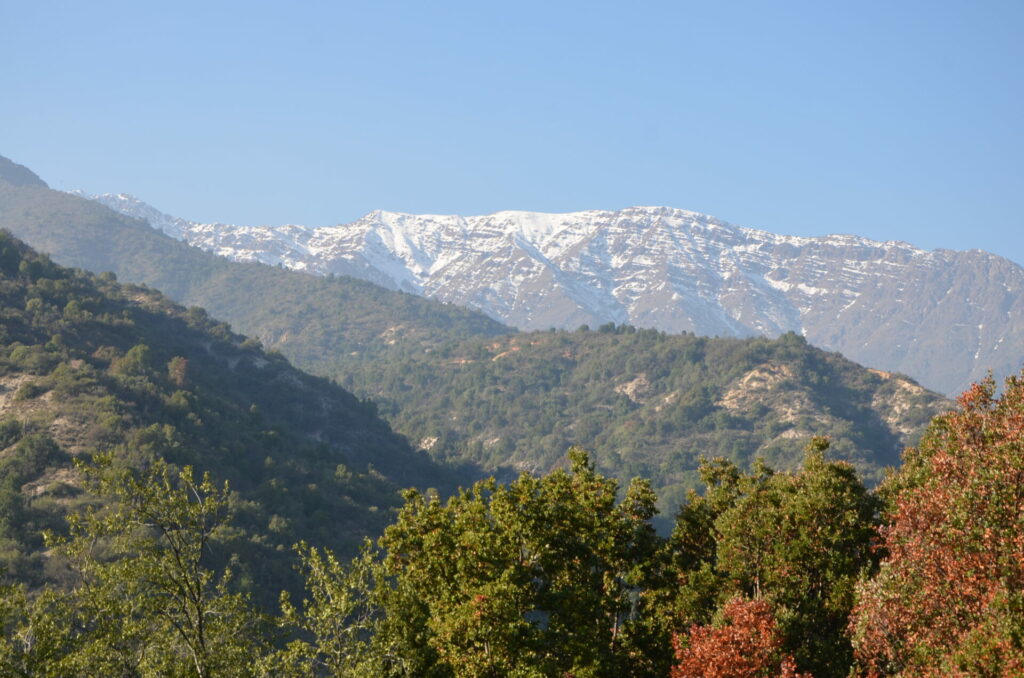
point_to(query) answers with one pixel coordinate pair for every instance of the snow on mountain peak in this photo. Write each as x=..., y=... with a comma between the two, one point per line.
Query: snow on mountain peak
x=650, y=266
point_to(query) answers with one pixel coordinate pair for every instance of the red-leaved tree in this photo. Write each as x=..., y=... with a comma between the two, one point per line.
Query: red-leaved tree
x=747, y=645
x=949, y=598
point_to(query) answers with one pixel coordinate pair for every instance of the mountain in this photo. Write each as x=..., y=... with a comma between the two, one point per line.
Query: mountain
x=470, y=391
x=18, y=175
x=91, y=366
x=645, y=403
x=318, y=322
x=943, y=317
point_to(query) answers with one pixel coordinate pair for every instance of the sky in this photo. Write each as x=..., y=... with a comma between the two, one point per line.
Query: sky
x=891, y=120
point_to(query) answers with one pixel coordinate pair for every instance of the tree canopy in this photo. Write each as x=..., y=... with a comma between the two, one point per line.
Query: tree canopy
x=949, y=598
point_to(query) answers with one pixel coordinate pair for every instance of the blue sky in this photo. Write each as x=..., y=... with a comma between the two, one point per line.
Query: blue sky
x=892, y=120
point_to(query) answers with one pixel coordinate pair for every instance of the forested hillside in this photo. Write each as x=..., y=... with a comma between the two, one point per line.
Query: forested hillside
x=645, y=403
x=89, y=366
x=466, y=389
x=321, y=324
x=944, y=317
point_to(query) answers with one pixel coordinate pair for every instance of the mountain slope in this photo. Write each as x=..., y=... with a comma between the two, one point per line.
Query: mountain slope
x=645, y=403
x=18, y=175
x=943, y=317
x=88, y=366
x=311, y=319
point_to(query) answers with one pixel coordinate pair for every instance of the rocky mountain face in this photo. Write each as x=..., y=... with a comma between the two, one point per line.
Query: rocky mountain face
x=943, y=317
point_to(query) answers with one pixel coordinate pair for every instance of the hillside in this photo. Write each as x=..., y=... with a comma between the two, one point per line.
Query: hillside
x=317, y=322
x=645, y=403
x=943, y=317
x=88, y=365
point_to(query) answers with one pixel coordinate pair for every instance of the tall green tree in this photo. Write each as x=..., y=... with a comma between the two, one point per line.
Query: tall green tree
x=544, y=576
x=796, y=540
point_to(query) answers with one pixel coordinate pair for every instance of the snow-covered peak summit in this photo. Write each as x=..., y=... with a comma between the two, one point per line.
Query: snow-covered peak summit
x=882, y=303
x=133, y=207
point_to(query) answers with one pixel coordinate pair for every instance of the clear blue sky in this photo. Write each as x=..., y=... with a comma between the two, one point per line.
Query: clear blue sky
x=886, y=119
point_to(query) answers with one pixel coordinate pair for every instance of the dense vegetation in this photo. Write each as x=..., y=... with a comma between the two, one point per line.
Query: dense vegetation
x=644, y=403
x=545, y=576
x=88, y=366
x=950, y=601
x=765, y=574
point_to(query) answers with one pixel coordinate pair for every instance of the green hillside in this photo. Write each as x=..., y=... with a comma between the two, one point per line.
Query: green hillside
x=645, y=403
x=469, y=390
x=88, y=365
x=321, y=324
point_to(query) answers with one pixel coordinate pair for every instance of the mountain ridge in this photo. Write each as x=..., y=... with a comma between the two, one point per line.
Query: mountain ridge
x=312, y=319
x=644, y=403
x=671, y=269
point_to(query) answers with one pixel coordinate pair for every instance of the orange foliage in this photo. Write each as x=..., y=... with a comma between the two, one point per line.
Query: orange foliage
x=747, y=646
x=948, y=600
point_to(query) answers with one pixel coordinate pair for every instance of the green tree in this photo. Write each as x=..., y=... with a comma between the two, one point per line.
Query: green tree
x=796, y=540
x=544, y=576
x=146, y=602
x=337, y=622
x=35, y=642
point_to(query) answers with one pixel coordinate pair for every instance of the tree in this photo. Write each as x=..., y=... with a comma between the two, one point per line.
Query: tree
x=337, y=623
x=949, y=598
x=544, y=576
x=146, y=602
x=35, y=642
x=798, y=541
x=745, y=644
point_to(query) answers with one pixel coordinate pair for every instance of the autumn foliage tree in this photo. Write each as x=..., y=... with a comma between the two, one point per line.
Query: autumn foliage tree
x=949, y=599
x=746, y=644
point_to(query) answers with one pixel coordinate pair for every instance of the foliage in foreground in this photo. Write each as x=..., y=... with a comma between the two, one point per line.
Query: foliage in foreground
x=551, y=575
x=798, y=541
x=558, y=576
x=144, y=600
x=746, y=642
x=949, y=600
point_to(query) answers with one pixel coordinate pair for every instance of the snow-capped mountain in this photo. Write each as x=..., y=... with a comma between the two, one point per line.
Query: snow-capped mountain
x=944, y=317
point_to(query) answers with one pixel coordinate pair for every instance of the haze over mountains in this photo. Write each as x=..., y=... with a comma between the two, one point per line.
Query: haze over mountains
x=943, y=317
